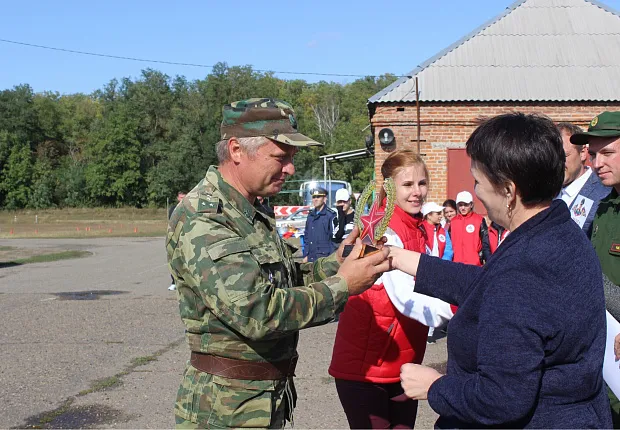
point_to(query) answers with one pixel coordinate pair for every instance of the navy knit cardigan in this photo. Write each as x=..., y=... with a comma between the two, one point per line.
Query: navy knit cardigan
x=526, y=346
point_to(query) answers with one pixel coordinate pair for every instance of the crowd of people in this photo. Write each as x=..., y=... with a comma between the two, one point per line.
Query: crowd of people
x=525, y=292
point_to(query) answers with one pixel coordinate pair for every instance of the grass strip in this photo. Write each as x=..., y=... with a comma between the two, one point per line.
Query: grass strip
x=51, y=416
x=141, y=361
x=56, y=256
x=103, y=384
x=113, y=381
x=44, y=419
x=93, y=235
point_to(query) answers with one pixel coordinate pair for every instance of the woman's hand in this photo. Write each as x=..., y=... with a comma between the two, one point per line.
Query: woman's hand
x=416, y=380
x=404, y=260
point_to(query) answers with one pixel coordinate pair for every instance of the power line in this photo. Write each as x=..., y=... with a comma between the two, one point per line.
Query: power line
x=174, y=63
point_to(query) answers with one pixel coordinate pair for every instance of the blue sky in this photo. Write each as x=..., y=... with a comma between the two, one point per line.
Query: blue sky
x=346, y=37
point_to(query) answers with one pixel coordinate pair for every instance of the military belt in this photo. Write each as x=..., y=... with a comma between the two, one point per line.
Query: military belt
x=243, y=369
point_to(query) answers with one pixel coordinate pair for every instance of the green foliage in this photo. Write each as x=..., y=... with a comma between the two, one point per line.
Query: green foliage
x=43, y=185
x=71, y=185
x=17, y=114
x=17, y=177
x=113, y=175
x=137, y=142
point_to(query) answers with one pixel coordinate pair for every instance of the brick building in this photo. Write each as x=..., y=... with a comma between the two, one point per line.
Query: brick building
x=560, y=58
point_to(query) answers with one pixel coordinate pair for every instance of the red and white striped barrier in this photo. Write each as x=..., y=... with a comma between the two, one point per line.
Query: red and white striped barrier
x=282, y=211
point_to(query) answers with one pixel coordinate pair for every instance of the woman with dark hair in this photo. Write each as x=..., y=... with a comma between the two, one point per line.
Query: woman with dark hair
x=527, y=343
x=449, y=212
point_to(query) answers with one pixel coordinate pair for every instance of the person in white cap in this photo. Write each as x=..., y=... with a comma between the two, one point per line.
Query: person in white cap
x=343, y=223
x=438, y=241
x=438, y=244
x=470, y=236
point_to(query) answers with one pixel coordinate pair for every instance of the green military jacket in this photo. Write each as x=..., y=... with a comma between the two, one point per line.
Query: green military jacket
x=241, y=295
x=606, y=236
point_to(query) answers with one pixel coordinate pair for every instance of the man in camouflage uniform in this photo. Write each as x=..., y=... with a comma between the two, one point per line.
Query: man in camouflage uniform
x=242, y=297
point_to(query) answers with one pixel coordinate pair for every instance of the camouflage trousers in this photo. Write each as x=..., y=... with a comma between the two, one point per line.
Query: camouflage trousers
x=209, y=401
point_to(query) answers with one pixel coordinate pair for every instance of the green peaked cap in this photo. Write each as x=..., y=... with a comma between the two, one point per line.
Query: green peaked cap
x=606, y=124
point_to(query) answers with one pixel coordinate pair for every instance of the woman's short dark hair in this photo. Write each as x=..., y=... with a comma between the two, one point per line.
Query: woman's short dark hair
x=449, y=204
x=524, y=149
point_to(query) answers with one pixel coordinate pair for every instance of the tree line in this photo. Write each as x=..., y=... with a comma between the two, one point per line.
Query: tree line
x=136, y=142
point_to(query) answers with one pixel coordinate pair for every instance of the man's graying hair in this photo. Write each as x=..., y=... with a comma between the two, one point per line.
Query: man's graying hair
x=569, y=128
x=249, y=144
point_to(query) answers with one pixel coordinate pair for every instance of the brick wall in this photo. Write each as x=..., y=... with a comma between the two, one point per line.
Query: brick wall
x=448, y=125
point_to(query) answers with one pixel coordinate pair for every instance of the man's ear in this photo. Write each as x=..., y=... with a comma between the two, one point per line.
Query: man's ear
x=234, y=150
x=583, y=154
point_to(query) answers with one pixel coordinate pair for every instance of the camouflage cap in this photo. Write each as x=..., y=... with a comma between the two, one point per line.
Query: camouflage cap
x=271, y=118
x=606, y=124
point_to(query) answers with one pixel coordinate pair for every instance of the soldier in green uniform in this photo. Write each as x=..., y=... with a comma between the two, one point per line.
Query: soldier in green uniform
x=603, y=139
x=242, y=297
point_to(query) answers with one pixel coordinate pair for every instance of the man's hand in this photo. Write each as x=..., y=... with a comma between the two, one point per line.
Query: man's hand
x=349, y=240
x=361, y=273
x=617, y=347
x=416, y=380
x=305, y=260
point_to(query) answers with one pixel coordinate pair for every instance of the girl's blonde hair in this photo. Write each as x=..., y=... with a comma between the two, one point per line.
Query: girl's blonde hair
x=399, y=160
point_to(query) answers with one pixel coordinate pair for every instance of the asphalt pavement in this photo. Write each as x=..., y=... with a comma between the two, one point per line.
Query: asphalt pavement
x=97, y=342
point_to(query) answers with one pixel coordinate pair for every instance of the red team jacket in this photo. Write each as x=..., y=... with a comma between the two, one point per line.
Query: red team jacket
x=469, y=238
x=429, y=228
x=373, y=339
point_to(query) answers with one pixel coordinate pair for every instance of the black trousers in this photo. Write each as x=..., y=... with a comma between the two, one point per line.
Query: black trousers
x=368, y=405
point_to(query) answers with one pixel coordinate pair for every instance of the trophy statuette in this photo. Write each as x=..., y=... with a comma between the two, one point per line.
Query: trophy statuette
x=374, y=225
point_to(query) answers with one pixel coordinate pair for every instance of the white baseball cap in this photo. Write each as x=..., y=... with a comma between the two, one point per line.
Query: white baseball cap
x=342, y=194
x=431, y=207
x=464, y=197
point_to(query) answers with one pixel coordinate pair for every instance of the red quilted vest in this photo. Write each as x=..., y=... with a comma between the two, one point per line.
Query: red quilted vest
x=373, y=339
x=430, y=236
x=465, y=235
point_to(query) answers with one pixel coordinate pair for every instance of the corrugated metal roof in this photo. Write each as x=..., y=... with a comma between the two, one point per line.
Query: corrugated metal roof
x=537, y=50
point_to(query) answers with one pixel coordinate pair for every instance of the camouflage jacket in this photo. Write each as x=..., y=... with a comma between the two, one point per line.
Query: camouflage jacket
x=240, y=293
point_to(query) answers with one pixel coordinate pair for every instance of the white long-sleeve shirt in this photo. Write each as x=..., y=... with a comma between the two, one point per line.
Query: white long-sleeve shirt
x=400, y=288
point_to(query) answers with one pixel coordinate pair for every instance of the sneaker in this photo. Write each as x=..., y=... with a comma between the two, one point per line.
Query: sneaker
x=172, y=287
x=430, y=340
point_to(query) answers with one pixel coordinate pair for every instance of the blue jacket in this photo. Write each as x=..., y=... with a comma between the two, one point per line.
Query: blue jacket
x=318, y=234
x=526, y=346
x=448, y=252
x=595, y=191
